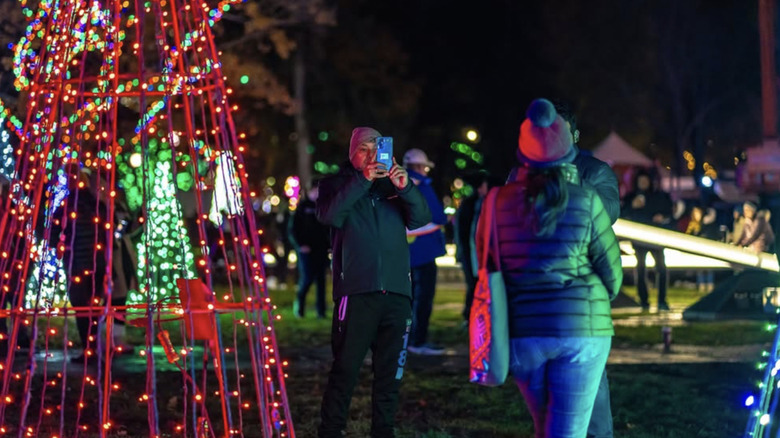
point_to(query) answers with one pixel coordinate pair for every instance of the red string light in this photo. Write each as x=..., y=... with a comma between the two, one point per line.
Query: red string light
x=83, y=68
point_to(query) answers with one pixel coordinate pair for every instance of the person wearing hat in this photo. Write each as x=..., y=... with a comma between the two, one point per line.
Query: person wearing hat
x=369, y=208
x=561, y=266
x=427, y=243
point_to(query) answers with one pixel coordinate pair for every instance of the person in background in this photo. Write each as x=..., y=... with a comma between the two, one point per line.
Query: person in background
x=426, y=244
x=561, y=265
x=310, y=239
x=283, y=246
x=465, y=232
x=369, y=208
x=701, y=225
x=737, y=224
x=679, y=210
x=593, y=172
x=757, y=234
x=83, y=236
x=651, y=206
x=124, y=260
x=597, y=175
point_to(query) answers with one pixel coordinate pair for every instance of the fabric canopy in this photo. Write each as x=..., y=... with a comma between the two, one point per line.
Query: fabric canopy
x=616, y=151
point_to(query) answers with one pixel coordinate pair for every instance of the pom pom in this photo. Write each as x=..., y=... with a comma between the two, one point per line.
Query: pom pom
x=541, y=113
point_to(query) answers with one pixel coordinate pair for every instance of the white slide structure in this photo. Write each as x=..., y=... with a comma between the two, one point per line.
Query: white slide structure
x=685, y=251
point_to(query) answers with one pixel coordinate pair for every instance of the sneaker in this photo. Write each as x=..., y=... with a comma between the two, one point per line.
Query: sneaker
x=663, y=307
x=426, y=350
x=297, y=310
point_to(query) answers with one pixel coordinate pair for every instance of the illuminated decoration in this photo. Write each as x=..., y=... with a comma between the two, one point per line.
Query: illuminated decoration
x=468, y=153
x=763, y=407
x=663, y=238
x=93, y=101
x=57, y=194
x=164, y=252
x=690, y=160
x=136, y=159
x=292, y=190
x=47, y=285
x=7, y=160
x=325, y=168
x=227, y=188
x=460, y=190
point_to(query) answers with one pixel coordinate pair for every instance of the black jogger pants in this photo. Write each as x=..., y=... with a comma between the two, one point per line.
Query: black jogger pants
x=380, y=321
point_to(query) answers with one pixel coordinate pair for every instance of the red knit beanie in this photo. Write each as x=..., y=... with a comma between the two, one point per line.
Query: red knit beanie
x=362, y=135
x=545, y=139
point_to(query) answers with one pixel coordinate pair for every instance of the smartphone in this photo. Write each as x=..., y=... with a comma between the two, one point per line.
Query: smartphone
x=384, y=151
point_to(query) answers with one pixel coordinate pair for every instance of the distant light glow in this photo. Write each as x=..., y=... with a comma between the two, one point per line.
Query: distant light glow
x=136, y=159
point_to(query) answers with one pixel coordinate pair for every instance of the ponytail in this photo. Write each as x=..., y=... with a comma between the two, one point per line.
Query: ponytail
x=548, y=194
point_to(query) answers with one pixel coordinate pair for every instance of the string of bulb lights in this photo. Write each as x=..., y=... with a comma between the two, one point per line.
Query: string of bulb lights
x=127, y=98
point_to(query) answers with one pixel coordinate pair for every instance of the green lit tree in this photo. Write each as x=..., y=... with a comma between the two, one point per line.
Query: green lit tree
x=164, y=252
x=7, y=161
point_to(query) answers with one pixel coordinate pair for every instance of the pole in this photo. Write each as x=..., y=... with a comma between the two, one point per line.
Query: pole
x=766, y=28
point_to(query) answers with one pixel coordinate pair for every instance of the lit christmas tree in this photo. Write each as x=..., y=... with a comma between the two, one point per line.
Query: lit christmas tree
x=93, y=73
x=7, y=160
x=165, y=248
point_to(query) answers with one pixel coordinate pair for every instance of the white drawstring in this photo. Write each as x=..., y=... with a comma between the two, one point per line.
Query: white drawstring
x=343, y=307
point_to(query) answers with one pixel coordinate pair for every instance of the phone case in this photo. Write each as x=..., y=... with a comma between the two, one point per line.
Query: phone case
x=384, y=151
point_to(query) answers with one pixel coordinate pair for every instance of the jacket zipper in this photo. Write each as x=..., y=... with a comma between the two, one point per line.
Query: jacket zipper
x=376, y=222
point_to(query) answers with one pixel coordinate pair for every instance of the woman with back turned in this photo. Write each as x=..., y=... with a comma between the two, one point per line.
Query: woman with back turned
x=561, y=265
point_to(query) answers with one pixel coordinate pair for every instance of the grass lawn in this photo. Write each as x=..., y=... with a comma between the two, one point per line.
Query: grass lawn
x=648, y=401
x=437, y=401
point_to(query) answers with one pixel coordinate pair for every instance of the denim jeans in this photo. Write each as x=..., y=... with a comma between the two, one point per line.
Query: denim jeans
x=559, y=378
x=601, y=419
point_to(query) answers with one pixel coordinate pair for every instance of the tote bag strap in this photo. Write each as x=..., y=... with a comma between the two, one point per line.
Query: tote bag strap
x=489, y=229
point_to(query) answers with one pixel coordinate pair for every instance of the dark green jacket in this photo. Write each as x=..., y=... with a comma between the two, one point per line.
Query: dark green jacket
x=368, y=234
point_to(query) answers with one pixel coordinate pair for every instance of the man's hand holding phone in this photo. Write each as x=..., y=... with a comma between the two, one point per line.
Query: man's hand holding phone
x=398, y=176
x=380, y=160
x=374, y=170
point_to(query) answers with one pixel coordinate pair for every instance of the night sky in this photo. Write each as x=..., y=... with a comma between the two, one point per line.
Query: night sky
x=660, y=73
x=667, y=75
